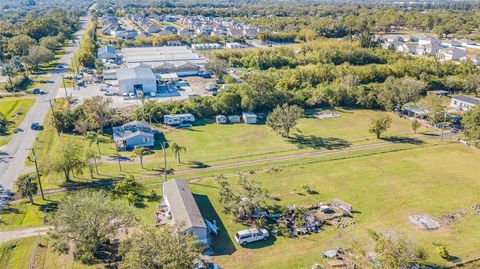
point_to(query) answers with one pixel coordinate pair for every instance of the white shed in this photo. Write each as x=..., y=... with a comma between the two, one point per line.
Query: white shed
x=234, y=118
x=221, y=119
x=249, y=117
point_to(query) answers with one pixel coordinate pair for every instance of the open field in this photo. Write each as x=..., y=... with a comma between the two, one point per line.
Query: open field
x=231, y=143
x=15, y=109
x=432, y=179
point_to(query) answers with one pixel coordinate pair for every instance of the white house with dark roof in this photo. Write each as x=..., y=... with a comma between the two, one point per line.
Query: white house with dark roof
x=184, y=210
x=463, y=103
x=132, y=134
x=431, y=49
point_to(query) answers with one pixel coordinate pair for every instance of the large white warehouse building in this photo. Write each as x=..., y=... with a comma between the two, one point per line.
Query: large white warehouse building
x=136, y=79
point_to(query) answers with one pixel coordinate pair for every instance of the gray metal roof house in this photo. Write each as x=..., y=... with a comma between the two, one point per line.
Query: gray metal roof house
x=135, y=133
x=184, y=210
x=463, y=103
x=107, y=53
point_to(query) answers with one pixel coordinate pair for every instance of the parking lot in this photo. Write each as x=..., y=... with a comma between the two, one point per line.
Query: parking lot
x=179, y=90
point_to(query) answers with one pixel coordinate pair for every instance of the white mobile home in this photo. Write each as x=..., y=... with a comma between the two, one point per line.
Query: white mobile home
x=452, y=53
x=184, y=210
x=463, y=103
x=178, y=119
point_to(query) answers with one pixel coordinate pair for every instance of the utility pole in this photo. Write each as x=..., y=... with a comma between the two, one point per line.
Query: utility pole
x=443, y=125
x=54, y=117
x=38, y=173
x=164, y=146
x=65, y=88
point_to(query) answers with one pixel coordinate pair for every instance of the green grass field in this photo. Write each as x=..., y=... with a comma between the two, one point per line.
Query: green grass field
x=15, y=109
x=16, y=254
x=213, y=144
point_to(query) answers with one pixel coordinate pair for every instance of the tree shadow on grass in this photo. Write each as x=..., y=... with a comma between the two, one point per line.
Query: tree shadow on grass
x=221, y=243
x=198, y=164
x=312, y=141
x=261, y=244
x=403, y=140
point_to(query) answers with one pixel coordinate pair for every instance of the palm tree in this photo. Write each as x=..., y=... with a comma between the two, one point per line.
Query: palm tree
x=91, y=159
x=93, y=137
x=177, y=150
x=139, y=152
x=26, y=186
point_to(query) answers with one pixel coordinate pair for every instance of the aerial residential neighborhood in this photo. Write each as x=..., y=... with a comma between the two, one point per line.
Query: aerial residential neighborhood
x=239, y=134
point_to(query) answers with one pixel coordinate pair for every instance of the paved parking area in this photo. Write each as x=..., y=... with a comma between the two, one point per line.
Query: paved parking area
x=196, y=86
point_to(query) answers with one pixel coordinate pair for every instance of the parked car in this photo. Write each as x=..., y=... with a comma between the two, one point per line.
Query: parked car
x=90, y=72
x=35, y=126
x=109, y=93
x=132, y=95
x=251, y=235
x=153, y=94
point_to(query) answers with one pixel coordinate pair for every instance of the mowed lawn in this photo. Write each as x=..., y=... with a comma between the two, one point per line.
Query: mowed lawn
x=15, y=109
x=212, y=144
x=385, y=189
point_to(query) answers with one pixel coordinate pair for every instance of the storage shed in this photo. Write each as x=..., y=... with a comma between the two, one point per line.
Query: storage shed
x=234, y=118
x=221, y=119
x=249, y=117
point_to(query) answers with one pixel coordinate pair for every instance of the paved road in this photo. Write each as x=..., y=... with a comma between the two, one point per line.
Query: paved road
x=14, y=154
x=17, y=234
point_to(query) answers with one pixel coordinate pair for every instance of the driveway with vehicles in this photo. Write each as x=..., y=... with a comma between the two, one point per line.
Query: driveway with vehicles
x=14, y=154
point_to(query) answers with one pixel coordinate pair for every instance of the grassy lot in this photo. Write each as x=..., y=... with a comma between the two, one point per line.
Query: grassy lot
x=231, y=143
x=16, y=254
x=15, y=109
x=432, y=179
x=424, y=180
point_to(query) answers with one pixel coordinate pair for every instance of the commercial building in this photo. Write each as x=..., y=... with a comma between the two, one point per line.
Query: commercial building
x=169, y=59
x=136, y=79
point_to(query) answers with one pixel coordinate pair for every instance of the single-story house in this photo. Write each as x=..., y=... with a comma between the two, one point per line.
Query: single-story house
x=475, y=59
x=249, y=117
x=107, y=53
x=415, y=111
x=234, y=118
x=136, y=79
x=452, y=53
x=132, y=134
x=430, y=49
x=184, y=210
x=451, y=43
x=178, y=119
x=463, y=103
x=407, y=47
x=221, y=119
x=426, y=40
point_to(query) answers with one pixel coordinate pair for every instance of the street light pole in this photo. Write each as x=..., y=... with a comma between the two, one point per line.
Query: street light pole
x=443, y=125
x=38, y=173
x=65, y=88
x=54, y=116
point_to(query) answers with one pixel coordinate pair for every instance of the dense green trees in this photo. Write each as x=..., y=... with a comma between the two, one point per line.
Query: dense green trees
x=153, y=247
x=86, y=221
x=471, y=123
x=67, y=158
x=26, y=186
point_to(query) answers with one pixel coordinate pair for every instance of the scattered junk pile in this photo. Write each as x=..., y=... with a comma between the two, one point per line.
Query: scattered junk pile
x=476, y=208
x=297, y=221
x=424, y=222
x=450, y=219
x=325, y=115
x=337, y=258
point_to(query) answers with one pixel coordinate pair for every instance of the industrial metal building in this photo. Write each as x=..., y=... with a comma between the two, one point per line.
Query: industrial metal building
x=136, y=79
x=169, y=59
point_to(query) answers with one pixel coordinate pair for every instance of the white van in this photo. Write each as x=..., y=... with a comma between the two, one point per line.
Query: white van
x=251, y=235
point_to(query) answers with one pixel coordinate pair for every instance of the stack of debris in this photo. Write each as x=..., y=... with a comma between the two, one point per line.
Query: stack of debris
x=476, y=208
x=424, y=222
x=338, y=258
x=450, y=219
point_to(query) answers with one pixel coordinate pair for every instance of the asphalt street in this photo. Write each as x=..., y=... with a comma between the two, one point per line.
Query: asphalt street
x=14, y=154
